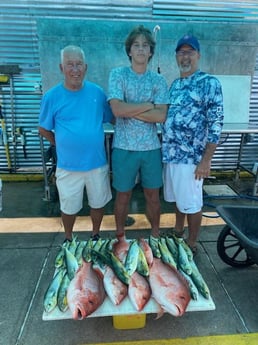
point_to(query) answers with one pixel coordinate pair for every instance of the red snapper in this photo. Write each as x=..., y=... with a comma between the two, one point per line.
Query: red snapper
x=85, y=292
x=169, y=288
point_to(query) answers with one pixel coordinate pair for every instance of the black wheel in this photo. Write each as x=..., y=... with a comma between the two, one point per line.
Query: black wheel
x=230, y=249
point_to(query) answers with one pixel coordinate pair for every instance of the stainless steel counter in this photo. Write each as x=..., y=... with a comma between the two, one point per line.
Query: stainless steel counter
x=227, y=128
x=241, y=128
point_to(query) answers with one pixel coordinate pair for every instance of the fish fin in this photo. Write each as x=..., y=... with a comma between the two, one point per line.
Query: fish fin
x=159, y=314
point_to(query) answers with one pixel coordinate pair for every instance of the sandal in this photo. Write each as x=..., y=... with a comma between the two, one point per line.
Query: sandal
x=95, y=237
x=179, y=234
x=194, y=249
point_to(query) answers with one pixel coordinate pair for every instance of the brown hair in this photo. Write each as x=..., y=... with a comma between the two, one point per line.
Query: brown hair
x=140, y=30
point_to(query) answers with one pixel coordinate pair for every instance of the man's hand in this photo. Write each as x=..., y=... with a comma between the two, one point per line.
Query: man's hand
x=204, y=167
x=203, y=170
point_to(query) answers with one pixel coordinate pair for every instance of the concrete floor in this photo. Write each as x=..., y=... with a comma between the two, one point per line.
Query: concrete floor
x=30, y=233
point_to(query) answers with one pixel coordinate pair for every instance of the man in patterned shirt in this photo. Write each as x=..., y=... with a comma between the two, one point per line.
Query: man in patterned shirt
x=190, y=136
x=138, y=98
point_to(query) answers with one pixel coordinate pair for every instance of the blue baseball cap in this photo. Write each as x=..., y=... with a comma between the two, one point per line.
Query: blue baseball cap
x=190, y=41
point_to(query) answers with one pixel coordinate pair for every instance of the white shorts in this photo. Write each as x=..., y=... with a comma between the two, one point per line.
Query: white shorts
x=71, y=184
x=180, y=186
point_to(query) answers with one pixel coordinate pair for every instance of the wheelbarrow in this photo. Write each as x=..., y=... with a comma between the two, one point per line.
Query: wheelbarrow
x=237, y=243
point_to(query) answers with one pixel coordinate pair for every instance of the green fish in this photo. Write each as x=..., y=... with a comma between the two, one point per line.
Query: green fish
x=172, y=247
x=119, y=269
x=105, y=247
x=109, y=247
x=60, y=260
x=183, y=261
x=50, y=297
x=166, y=256
x=142, y=265
x=154, y=244
x=96, y=246
x=86, y=253
x=61, y=296
x=199, y=281
x=193, y=289
x=131, y=259
x=186, y=248
x=71, y=264
x=101, y=259
x=73, y=245
x=78, y=252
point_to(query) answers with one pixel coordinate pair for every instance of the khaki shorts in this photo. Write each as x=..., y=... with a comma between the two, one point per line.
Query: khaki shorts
x=180, y=186
x=71, y=185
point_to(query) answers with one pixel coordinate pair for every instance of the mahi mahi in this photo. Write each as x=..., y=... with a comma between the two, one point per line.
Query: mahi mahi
x=50, y=298
x=71, y=263
x=131, y=260
x=62, y=293
x=146, y=250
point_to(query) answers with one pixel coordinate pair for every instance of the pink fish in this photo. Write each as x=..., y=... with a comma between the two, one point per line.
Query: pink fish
x=85, y=292
x=139, y=291
x=115, y=288
x=120, y=248
x=147, y=251
x=169, y=288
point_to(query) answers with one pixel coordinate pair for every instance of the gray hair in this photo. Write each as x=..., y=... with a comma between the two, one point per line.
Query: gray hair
x=74, y=49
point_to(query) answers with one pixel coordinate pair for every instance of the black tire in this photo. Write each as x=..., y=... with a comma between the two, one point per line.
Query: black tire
x=230, y=249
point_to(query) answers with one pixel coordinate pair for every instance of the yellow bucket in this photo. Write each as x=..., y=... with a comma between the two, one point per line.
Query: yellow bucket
x=129, y=321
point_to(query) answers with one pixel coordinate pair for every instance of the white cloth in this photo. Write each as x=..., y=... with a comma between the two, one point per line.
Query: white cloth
x=180, y=186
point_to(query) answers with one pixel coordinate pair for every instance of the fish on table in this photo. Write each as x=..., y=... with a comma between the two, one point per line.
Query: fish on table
x=86, y=292
x=120, y=249
x=50, y=297
x=169, y=288
x=62, y=293
x=139, y=269
x=142, y=264
x=139, y=291
x=114, y=287
x=131, y=259
x=71, y=263
x=146, y=250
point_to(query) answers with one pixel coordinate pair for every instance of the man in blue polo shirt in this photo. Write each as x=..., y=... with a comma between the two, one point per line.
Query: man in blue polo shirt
x=71, y=118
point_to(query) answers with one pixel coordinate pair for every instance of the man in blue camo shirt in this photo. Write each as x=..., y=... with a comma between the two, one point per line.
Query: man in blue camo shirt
x=190, y=137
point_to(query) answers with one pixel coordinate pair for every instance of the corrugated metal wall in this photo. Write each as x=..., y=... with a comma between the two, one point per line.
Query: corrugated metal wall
x=207, y=10
x=21, y=96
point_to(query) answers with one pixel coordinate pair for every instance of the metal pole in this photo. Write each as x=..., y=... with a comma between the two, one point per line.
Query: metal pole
x=47, y=188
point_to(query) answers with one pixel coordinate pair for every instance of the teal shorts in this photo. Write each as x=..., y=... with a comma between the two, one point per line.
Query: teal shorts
x=128, y=166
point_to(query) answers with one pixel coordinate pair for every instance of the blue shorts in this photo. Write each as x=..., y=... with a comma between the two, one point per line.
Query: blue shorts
x=127, y=166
